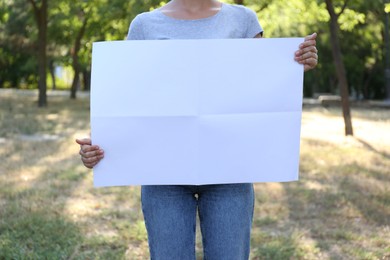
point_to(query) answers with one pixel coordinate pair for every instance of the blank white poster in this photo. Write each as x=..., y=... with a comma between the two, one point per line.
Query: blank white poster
x=196, y=111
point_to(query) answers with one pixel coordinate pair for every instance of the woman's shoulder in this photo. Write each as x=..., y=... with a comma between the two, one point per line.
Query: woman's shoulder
x=147, y=15
x=239, y=10
x=139, y=25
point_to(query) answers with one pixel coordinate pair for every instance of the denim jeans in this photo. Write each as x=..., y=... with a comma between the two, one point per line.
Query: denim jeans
x=225, y=213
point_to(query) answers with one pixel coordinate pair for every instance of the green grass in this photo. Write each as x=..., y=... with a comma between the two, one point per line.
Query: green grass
x=49, y=209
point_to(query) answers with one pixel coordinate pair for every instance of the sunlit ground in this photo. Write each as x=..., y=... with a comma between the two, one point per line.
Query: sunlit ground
x=49, y=210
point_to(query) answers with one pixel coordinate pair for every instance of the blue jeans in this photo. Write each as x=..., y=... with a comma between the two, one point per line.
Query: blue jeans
x=225, y=213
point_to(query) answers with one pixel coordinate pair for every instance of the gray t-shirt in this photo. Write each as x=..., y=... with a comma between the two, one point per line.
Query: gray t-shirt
x=232, y=21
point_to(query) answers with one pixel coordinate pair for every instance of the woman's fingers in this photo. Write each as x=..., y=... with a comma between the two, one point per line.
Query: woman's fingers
x=307, y=58
x=89, y=160
x=310, y=64
x=90, y=165
x=308, y=53
x=307, y=49
x=84, y=141
x=96, y=153
x=308, y=43
x=90, y=154
x=311, y=37
x=89, y=148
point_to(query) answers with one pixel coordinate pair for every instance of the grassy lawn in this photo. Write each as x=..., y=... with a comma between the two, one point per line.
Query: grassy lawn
x=340, y=208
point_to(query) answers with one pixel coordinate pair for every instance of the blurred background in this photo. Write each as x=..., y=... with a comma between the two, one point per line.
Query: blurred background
x=340, y=208
x=63, y=32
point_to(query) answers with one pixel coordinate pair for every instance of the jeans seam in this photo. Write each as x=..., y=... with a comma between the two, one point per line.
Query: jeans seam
x=201, y=229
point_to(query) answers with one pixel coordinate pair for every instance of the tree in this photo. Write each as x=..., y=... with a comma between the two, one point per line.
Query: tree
x=90, y=21
x=387, y=49
x=75, y=56
x=40, y=13
x=339, y=64
x=17, y=64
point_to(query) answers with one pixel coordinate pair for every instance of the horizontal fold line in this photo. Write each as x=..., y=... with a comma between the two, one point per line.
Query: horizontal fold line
x=203, y=115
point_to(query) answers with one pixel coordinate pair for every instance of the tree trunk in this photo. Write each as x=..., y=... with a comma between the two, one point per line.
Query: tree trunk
x=41, y=19
x=239, y=2
x=387, y=54
x=52, y=73
x=76, y=80
x=340, y=68
x=75, y=60
x=87, y=79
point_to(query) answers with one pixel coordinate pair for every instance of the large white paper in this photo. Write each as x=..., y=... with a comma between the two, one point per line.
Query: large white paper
x=196, y=111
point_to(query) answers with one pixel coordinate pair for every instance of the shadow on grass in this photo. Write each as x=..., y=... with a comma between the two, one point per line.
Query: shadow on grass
x=374, y=206
x=338, y=210
x=34, y=225
x=350, y=198
x=372, y=149
x=21, y=116
x=33, y=222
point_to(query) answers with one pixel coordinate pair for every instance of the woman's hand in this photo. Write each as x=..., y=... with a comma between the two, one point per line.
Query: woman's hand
x=307, y=53
x=90, y=154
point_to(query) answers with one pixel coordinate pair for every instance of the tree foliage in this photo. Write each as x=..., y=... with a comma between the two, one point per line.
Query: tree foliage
x=361, y=37
x=17, y=63
x=362, y=42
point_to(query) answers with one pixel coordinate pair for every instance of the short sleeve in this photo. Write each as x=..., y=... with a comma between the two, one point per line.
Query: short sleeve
x=135, y=30
x=254, y=27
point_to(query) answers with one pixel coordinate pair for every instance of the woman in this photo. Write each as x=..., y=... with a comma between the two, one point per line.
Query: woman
x=225, y=211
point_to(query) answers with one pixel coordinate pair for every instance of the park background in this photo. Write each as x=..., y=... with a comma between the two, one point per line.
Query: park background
x=340, y=208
